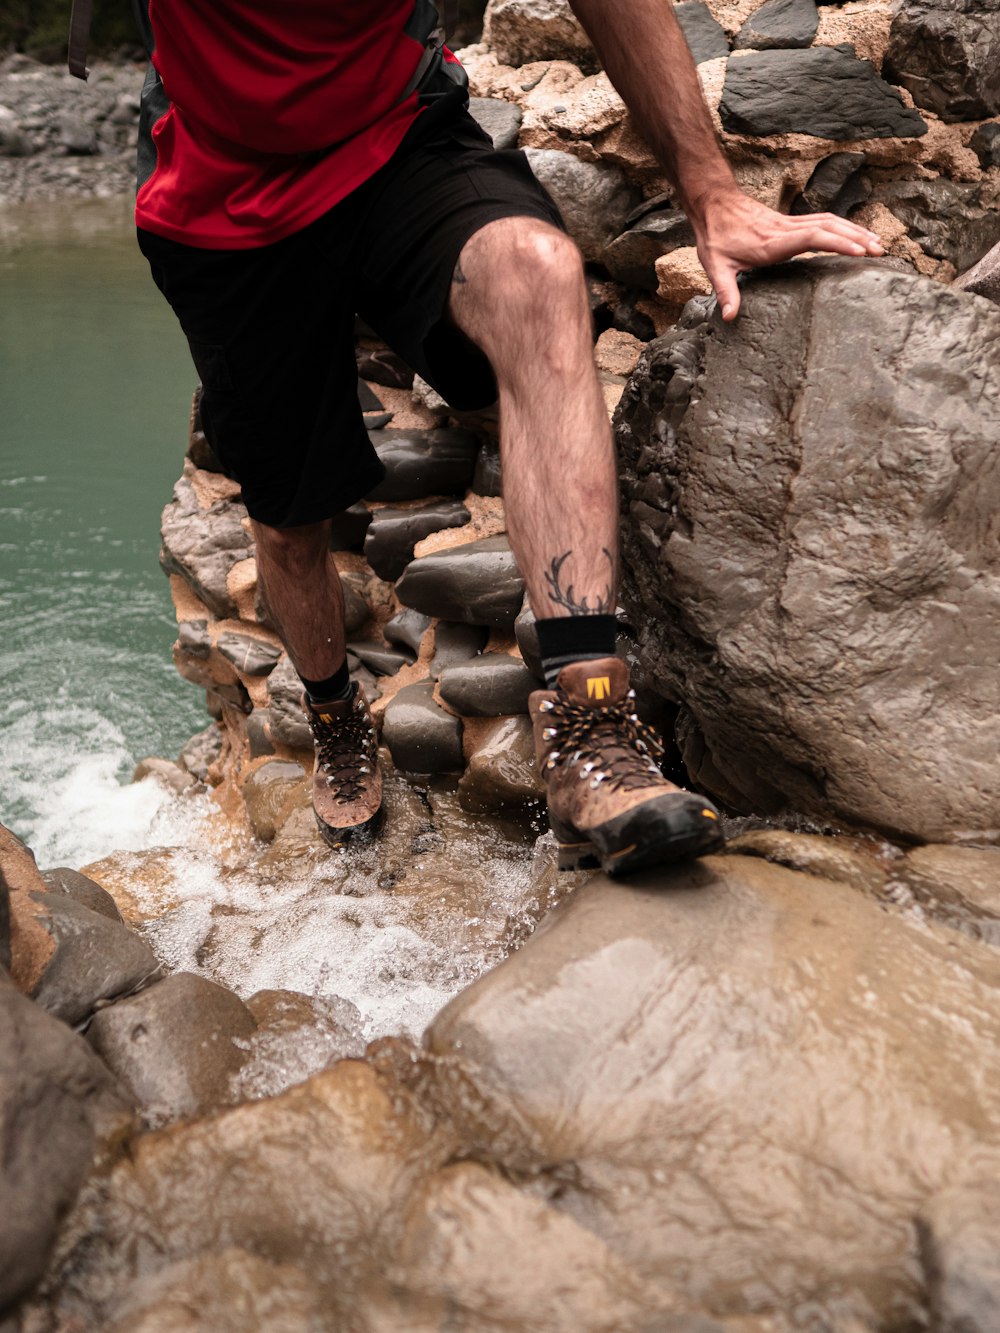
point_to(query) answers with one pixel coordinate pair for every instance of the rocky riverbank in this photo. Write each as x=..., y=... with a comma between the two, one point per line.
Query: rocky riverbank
x=757, y=1094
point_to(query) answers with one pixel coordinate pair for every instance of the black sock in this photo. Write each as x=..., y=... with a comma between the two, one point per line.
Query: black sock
x=565, y=639
x=331, y=690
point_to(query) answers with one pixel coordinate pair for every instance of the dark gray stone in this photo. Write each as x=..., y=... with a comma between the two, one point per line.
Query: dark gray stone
x=203, y=545
x=494, y=685
x=836, y=186
x=419, y=463
x=286, y=720
x=249, y=655
x=946, y=53
x=258, y=736
x=779, y=23
x=454, y=643
x=984, y=278
x=381, y=365
x=985, y=143
x=421, y=736
x=408, y=628
x=194, y=638
x=594, y=198
x=95, y=958
x=477, y=583
x=357, y=612
x=953, y=220
x=175, y=1046
x=499, y=119
x=372, y=408
x=488, y=477
x=527, y=641
x=854, y=406
x=347, y=532
x=82, y=890
x=56, y=1099
x=394, y=533
x=959, y=1234
x=824, y=91
x=201, y=751
x=378, y=658
x=630, y=257
x=704, y=35
x=503, y=772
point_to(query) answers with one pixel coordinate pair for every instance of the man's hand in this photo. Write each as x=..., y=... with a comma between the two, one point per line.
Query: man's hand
x=736, y=233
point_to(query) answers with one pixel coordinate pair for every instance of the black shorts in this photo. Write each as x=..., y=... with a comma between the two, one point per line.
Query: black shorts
x=271, y=329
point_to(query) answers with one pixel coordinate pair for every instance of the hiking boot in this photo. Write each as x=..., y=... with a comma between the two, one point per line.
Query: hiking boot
x=347, y=783
x=609, y=804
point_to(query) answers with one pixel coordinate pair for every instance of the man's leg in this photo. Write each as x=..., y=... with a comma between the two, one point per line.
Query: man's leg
x=518, y=292
x=302, y=592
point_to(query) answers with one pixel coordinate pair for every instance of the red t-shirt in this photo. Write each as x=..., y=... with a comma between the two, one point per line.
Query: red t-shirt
x=278, y=110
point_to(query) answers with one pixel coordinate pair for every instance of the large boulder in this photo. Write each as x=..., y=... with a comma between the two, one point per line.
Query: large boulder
x=743, y=1080
x=520, y=31
x=811, y=499
x=947, y=54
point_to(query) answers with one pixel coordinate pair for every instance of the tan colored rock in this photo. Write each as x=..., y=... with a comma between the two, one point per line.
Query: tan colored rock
x=502, y=771
x=523, y=30
x=732, y=14
x=31, y=944
x=957, y=885
x=617, y=352
x=681, y=276
x=857, y=862
x=898, y=242
x=862, y=23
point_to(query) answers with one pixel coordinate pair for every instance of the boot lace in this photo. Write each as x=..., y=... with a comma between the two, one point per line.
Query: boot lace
x=610, y=744
x=346, y=752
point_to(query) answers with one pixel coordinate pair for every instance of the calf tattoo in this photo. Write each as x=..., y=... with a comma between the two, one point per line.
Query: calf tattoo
x=603, y=606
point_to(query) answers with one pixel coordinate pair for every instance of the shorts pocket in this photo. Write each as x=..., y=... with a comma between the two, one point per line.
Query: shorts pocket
x=213, y=367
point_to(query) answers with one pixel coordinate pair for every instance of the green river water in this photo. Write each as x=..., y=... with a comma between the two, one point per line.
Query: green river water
x=95, y=384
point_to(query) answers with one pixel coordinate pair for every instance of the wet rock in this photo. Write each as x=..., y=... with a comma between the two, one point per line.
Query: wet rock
x=93, y=958
x=201, y=751
x=231, y=1292
x=946, y=53
x=527, y=641
x=631, y=257
x=454, y=643
x=707, y=1046
x=267, y=794
x=407, y=627
x=704, y=35
x=297, y=1036
x=286, y=721
x=778, y=23
x=983, y=279
x=493, y=685
x=194, y=638
x=477, y=583
x=953, y=220
x=394, y=533
x=56, y=1100
x=258, y=733
x=845, y=860
x=488, y=477
x=520, y=31
x=499, y=119
x=836, y=186
x=957, y=885
x=799, y=614
x=958, y=1232
x=985, y=143
x=249, y=655
x=164, y=771
x=825, y=91
x=82, y=890
x=424, y=462
x=502, y=773
x=176, y=1046
x=203, y=545
x=348, y=529
x=421, y=736
x=378, y=658
x=593, y=197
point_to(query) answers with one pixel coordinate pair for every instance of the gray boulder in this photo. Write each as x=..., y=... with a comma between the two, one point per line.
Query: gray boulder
x=201, y=751
x=286, y=722
x=983, y=279
x=421, y=736
x=985, y=143
x=477, y=583
x=810, y=519
x=631, y=257
x=826, y=91
x=493, y=685
x=499, y=119
x=790, y=23
x=946, y=53
x=248, y=654
x=82, y=890
x=705, y=36
x=202, y=545
x=593, y=197
x=954, y=220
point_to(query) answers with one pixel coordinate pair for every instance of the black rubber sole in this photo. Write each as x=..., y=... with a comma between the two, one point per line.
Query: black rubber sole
x=357, y=833
x=671, y=828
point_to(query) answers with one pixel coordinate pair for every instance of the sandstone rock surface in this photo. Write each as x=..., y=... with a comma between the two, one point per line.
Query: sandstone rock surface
x=814, y=550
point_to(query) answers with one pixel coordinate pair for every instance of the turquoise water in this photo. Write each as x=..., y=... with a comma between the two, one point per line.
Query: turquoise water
x=95, y=386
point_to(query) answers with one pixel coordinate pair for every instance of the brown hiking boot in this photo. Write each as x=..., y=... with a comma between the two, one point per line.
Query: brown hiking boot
x=609, y=804
x=347, y=783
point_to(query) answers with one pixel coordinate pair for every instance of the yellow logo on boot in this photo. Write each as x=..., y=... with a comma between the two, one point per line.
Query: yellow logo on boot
x=598, y=687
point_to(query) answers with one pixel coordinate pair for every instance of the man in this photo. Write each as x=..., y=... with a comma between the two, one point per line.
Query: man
x=304, y=161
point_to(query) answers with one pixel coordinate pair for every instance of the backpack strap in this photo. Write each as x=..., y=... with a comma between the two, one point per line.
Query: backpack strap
x=79, y=31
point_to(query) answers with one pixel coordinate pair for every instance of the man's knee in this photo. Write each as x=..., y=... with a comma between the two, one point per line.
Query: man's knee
x=530, y=268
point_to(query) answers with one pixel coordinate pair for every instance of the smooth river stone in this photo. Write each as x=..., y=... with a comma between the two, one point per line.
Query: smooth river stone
x=424, y=462
x=454, y=643
x=378, y=658
x=477, y=583
x=503, y=772
x=82, y=890
x=393, y=533
x=494, y=685
x=407, y=627
x=421, y=736
x=825, y=91
x=249, y=655
x=348, y=528
x=286, y=721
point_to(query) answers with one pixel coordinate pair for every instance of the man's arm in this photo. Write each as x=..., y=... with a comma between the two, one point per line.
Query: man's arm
x=643, y=50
